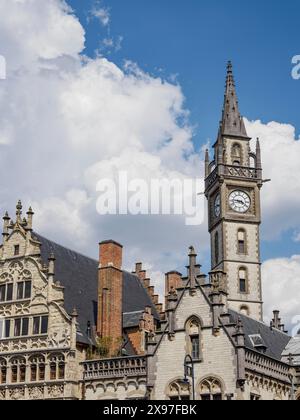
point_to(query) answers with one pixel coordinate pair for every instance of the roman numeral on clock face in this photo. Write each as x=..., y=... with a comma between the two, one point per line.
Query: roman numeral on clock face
x=239, y=201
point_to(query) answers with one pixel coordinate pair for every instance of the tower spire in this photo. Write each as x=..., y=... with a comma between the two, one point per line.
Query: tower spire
x=232, y=123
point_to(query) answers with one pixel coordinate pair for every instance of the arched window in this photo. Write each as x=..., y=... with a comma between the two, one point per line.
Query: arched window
x=242, y=248
x=236, y=154
x=37, y=368
x=18, y=370
x=193, y=334
x=243, y=282
x=179, y=391
x=57, y=367
x=217, y=247
x=3, y=371
x=211, y=390
x=244, y=310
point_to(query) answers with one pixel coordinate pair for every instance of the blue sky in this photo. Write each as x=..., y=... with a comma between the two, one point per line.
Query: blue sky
x=85, y=103
x=193, y=40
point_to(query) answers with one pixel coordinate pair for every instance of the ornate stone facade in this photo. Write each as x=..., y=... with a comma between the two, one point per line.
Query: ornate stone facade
x=39, y=358
x=76, y=328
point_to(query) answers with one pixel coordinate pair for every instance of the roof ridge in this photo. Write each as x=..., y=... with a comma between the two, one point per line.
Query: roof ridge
x=64, y=247
x=258, y=322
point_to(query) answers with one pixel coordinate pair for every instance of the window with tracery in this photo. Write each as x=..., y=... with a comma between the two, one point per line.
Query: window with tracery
x=18, y=370
x=211, y=390
x=193, y=332
x=179, y=391
x=57, y=367
x=37, y=368
x=3, y=371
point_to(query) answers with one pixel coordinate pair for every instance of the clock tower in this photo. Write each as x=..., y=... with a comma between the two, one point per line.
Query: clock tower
x=232, y=187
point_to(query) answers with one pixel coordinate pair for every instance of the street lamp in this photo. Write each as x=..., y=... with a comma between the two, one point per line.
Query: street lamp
x=189, y=372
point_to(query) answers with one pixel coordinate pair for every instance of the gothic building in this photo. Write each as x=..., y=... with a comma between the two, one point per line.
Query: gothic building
x=75, y=328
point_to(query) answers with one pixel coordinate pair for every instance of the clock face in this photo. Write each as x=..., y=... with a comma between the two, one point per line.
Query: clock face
x=239, y=201
x=217, y=205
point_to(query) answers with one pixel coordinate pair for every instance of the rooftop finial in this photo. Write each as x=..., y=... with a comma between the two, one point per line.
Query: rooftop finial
x=19, y=210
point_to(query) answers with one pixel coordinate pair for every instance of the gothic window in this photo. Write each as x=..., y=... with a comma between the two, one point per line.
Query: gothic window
x=3, y=371
x=236, y=155
x=57, y=367
x=243, y=283
x=179, y=391
x=24, y=290
x=21, y=327
x=18, y=370
x=37, y=368
x=40, y=325
x=4, y=328
x=211, y=390
x=193, y=333
x=6, y=292
x=242, y=249
x=217, y=247
x=16, y=250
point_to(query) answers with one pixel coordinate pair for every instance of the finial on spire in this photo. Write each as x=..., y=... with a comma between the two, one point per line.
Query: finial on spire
x=19, y=208
x=192, y=267
x=30, y=215
x=207, y=161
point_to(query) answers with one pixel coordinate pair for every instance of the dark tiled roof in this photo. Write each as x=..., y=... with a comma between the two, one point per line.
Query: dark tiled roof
x=132, y=319
x=275, y=340
x=79, y=275
x=135, y=296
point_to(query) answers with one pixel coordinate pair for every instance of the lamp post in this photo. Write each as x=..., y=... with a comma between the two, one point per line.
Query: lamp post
x=189, y=372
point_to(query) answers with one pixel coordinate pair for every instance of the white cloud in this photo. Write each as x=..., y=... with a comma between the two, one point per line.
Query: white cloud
x=65, y=120
x=101, y=13
x=281, y=285
x=280, y=156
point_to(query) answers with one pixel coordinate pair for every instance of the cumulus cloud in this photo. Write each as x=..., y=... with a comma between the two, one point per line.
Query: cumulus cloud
x=67, y=120
x=280, y=155
x=281, y=284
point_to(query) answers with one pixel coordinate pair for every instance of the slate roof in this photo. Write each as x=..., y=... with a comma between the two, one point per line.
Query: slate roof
x=293, y=348
x=79, y=275
x=275, y=340
x=132, y=319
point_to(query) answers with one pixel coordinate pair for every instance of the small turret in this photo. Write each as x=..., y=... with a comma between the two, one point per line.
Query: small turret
x=30, y=215
x=19, y=208
x=192, y=268
x=207, y=162
x=6, y=220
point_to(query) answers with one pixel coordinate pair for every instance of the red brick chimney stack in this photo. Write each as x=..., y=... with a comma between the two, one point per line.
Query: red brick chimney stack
x=110, y=291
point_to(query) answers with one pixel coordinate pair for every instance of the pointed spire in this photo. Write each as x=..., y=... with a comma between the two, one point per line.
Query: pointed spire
x=207, y=161
x=192, y=267
x=6, y=220
x=232, y=123
x=30, y=215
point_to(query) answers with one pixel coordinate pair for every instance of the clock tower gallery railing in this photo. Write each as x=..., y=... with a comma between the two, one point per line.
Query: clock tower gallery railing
x=231, y=171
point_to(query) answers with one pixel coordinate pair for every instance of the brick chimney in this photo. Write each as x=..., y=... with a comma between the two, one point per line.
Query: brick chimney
x=110, y=314
x=173, y=281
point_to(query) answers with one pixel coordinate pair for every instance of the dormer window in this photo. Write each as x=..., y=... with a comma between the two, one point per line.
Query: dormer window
x=257, y=342
x=17, y=250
